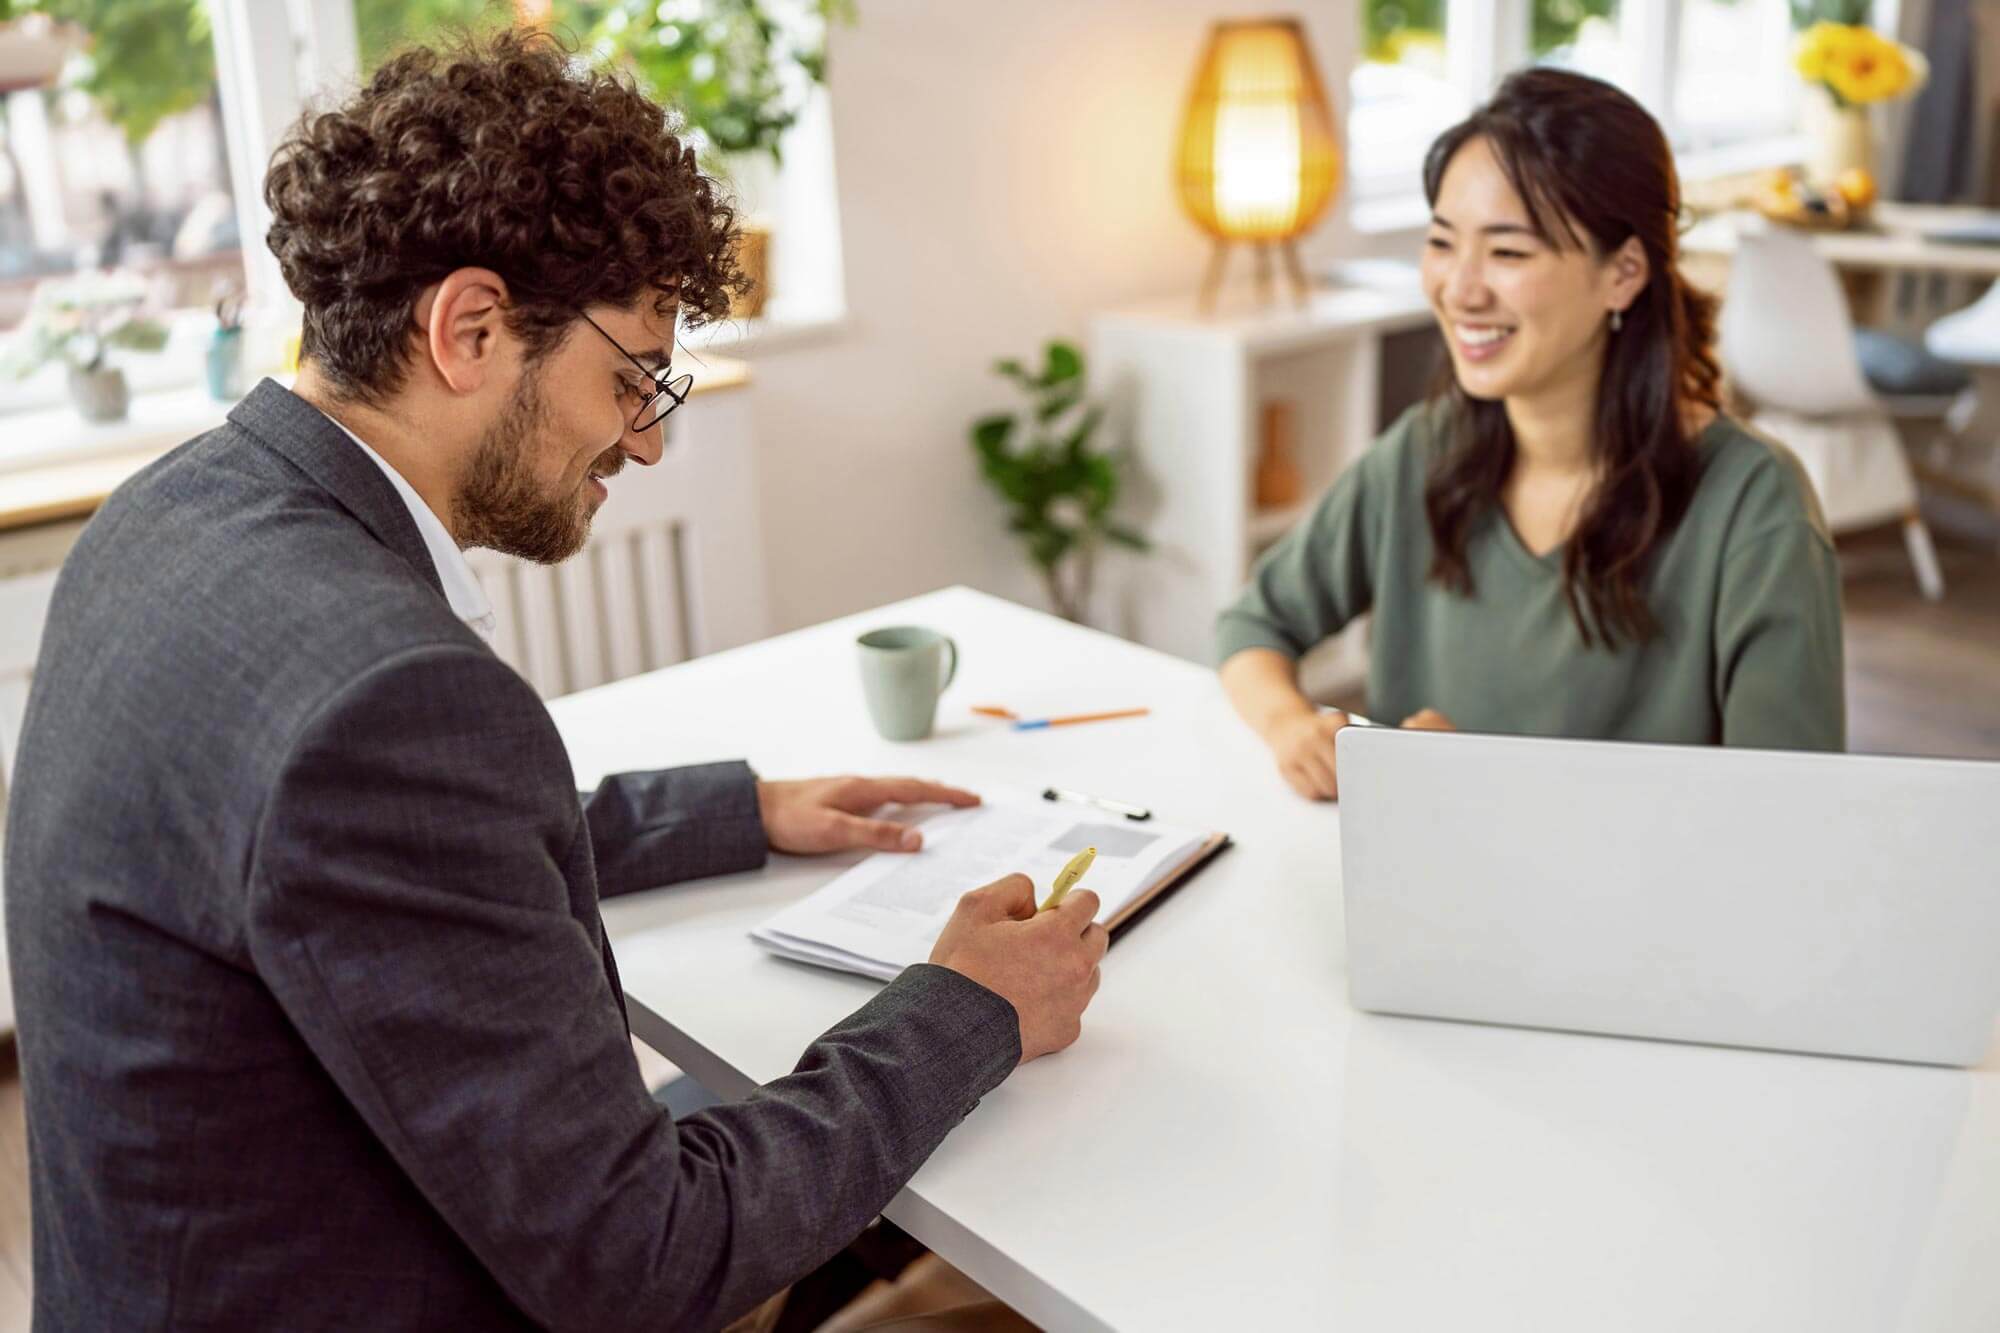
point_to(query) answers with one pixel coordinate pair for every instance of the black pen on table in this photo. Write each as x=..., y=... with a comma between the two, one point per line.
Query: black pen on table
x=1133, y=812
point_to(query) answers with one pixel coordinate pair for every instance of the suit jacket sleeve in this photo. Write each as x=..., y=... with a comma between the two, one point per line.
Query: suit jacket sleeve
x=409, y=909
x=650, y=829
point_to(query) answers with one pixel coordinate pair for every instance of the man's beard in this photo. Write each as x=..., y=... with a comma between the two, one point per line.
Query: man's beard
x=501, y=506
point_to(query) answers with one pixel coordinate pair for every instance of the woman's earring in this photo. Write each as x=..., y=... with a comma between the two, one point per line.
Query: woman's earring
x=1617, y=320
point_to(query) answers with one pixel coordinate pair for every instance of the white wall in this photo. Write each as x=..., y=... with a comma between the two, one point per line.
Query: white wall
x=1003, y=171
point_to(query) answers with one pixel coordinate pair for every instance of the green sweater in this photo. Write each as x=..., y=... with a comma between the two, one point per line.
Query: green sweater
x=1745, y=590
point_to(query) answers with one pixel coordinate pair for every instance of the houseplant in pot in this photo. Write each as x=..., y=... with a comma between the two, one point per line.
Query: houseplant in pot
x=1058, y=485
x=78, y=322
x=739, y=72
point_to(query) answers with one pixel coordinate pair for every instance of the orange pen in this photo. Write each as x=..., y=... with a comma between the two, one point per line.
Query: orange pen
x=1039, y=723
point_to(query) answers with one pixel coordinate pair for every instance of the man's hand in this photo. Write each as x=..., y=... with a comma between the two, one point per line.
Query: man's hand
x=1303, y=746
x=829, y=814
x=1044, y=964
x=1428, y=719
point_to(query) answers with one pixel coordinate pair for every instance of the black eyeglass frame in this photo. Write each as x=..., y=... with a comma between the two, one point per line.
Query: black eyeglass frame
x=665, y=386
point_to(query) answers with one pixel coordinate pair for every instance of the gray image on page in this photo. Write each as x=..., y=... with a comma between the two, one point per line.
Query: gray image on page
x=1108, y=839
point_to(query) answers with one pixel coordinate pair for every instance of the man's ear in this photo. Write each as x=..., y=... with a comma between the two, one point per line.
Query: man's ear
x=461, y=322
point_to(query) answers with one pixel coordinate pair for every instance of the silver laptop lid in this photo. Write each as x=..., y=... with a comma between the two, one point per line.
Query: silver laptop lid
x=1845, y=904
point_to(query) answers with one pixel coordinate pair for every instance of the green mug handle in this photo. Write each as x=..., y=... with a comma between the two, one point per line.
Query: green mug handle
x=951, y=668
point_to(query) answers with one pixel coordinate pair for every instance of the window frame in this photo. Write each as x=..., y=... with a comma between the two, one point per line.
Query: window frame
x=1486, y=38
x=273, y=57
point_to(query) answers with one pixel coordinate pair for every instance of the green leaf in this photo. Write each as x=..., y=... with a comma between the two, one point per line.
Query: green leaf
x=1079, y=439
x=140, y=335
x=1062, y=363
x=1056, y=404
x=989, y=434
x=1124, y=536
x=1048, y=545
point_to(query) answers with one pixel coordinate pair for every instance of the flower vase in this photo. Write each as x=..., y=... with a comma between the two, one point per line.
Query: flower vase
x=1839, y=138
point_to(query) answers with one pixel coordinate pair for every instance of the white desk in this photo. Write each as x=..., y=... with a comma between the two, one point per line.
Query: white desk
x=1895, y=240
x=1230, y=1145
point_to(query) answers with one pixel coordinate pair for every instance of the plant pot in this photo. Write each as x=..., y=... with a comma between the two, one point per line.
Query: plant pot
x=101, y=394
x=33, y=49
x=1838, y=139
x=753, y=256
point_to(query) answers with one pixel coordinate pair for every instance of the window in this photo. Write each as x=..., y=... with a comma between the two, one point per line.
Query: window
x=116, y=202
x=1716, y=73
x=1582, y=35
x=733, y=78
x=1402, y=94
x=124, y=173
x=1733, y=80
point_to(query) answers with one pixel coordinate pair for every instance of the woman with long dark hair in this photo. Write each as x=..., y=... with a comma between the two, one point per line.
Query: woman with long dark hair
x=1569, y=539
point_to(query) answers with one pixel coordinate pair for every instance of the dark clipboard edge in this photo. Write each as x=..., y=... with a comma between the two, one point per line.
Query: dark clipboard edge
x=1188, y=869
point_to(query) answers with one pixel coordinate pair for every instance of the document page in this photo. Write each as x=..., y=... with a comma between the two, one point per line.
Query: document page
x=885, y=913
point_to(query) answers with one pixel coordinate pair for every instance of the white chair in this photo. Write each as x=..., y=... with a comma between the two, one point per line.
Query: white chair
x=1788, y=346
x=24, y=605
x=1971, y=338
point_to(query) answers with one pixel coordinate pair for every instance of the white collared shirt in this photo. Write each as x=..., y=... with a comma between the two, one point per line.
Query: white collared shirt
x=461, y=587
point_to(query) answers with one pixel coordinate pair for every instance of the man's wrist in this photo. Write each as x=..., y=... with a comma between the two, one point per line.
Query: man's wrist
x=763, y=792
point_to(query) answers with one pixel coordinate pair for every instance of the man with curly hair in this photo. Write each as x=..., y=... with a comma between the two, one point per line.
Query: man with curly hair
x=318, y=1023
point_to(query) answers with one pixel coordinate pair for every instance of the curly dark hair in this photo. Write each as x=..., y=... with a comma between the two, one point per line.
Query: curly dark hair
x=501, y=152
x=1594, y=170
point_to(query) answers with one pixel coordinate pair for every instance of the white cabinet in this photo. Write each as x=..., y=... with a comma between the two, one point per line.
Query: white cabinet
x=1187, y=391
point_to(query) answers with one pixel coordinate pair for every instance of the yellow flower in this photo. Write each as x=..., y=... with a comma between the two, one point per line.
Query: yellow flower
x=1815, y=48
x=1871, y=71
x=1854, y=63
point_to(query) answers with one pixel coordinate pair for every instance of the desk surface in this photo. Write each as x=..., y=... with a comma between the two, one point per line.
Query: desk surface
x=1895, y=240
x=1230, y=1145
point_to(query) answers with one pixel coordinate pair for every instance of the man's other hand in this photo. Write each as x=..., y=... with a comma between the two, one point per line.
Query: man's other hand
x=832, y=814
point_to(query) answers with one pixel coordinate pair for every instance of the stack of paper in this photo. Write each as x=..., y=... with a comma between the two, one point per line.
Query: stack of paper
x=885, y=913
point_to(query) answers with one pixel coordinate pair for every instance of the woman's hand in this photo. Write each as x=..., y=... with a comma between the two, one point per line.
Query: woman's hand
x=1303, y=746
x=1428, y=719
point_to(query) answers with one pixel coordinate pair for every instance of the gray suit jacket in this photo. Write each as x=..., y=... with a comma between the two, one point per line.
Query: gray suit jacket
x=318, y=1026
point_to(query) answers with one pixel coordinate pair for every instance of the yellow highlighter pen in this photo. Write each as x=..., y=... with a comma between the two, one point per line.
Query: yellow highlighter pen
x=1067, y=877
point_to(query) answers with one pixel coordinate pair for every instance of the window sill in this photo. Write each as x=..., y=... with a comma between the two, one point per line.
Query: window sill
x=747, y=337
x=157, y=420
x=1706, y=164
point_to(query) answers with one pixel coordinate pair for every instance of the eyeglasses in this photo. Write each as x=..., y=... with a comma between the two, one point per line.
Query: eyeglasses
x=667, y=393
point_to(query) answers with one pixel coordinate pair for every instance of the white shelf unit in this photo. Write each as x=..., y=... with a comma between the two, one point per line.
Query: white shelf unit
x=1186, y=391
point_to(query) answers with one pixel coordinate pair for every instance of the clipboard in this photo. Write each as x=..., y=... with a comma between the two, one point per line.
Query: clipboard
x=1139, y=908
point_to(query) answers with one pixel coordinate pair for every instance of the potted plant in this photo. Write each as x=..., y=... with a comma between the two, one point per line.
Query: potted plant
x=78, y=322
x=1059, y=488
x=738, y=74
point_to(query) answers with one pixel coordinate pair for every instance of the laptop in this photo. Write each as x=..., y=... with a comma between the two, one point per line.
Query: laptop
x=1831, y=903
